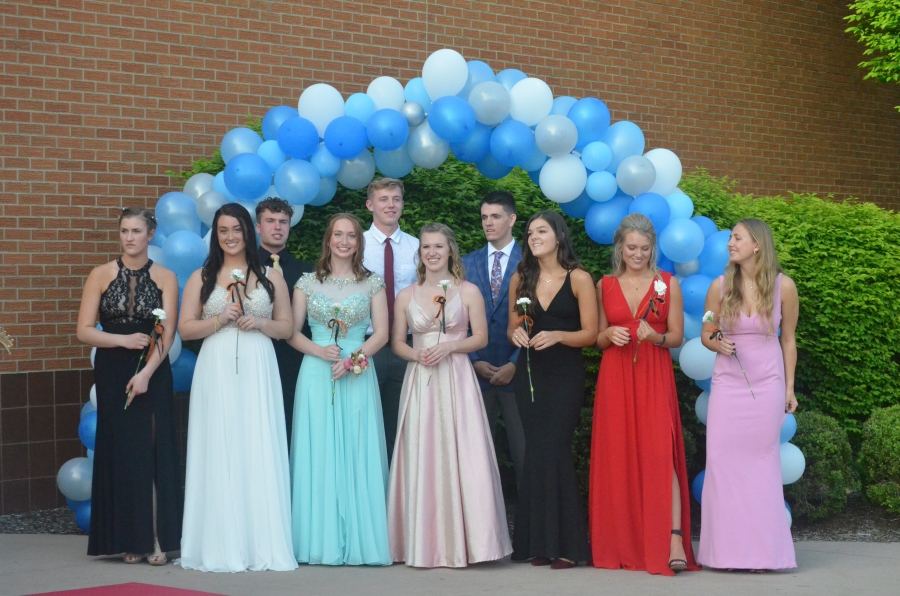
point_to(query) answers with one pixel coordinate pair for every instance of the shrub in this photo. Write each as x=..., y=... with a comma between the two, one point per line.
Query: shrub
x=822, y=490
x=880, y=458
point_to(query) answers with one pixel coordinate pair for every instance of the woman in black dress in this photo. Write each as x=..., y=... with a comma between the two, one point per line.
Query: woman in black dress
x=550, y=526
x=136, y=492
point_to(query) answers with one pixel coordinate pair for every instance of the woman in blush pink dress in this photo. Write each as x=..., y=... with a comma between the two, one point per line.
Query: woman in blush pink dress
x=743, y=519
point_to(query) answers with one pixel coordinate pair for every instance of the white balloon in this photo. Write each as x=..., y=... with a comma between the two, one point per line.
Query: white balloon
x=93, y=356
x=207, y=205
x=198, y=184
x=386, y=92
x=320, y=104
x=356, y=173
x=425, y=148
x=563, y=179
x=689, y=268
x=701, y=406
x=668, y=171
x=635, y=175
x=490, y=102
x=74, y=478
x=298, y=214
x=94, y=395
x=156, y=255
x=175, y=350
x=555, y=135
x=444, y=73
x=793, y=463
x=696, y=360
x=530, y=100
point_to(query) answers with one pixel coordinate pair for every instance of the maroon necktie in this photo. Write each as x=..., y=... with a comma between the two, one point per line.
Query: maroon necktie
x=389, y=282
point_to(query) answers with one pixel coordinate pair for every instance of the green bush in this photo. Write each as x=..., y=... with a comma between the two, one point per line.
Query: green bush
x=822, y=490
x=880, y=458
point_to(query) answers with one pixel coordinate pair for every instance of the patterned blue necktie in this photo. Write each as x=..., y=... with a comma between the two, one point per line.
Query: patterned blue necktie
x=496, y=277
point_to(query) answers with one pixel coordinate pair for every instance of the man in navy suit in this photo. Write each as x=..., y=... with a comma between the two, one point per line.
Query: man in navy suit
x=490, y=268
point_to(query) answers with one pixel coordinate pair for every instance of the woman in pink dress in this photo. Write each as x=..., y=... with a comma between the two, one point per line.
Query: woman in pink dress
x=445, y=504
x=743, y=519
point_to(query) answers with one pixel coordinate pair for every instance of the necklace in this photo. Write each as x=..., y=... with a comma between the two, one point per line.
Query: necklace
x=635, y=283
x=546, y=281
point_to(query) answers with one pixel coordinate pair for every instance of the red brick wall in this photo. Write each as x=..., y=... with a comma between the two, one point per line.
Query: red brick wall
x=99, y=98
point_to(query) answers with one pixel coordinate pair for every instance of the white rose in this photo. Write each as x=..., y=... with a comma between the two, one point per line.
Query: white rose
x=159, y=314
x=660, y=287
x=357, y=370
x=522, y=301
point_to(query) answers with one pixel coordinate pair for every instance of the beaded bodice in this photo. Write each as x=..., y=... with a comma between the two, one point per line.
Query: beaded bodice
x=256, y=303
x=347, y=300
x=130, y=297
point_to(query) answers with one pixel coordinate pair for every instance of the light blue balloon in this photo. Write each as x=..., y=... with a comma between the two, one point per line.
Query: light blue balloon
x=272, y=155
x=298, y=138
x=681, y=240
x=512, y=143
x=74, y=478
x=681, y=205
x=697, y=486
x=706, y=224
x=561, y=106
x=591, y=118
x=688, y=268
x=693, y=326
x=360, y=106
x=247, y=176
x=346, y=137
x=479, y=72
x=624, y=139
x=788, y=428
x=177, y=211
x=491, y=168
x=509, y=77
x=535, y=161
x=327, y=190
x=387, y=130
x=159, y=238
x=578, y=208
x=596, y=156
x=601, y=186
x=326, y=164
x=87, y=429
x=452, y=118
x=602, y=219
x=237, y=141
x=394, y=164
x=87, y=408
x=655, y=207
x=297, y=182
x=219, y=185
x=476, y=147
x=273, y=120
x=183, y=371
x=184, y=253
x=793, y=463
x=701, y=407
x=693, y=291
x=415, y=92
x=714, y=255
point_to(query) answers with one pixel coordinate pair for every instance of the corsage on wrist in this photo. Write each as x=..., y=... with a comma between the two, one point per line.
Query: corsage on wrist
x=356, y=363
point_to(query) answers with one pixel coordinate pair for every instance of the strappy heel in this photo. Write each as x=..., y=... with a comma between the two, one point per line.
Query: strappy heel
x=677, y=565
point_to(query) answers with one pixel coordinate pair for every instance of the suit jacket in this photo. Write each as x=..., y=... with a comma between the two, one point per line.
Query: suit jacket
x=498, y=351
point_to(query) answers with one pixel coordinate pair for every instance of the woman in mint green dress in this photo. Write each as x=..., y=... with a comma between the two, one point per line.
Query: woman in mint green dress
x=339, y=468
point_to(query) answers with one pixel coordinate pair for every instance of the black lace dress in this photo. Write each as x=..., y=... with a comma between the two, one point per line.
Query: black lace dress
x=135, y=448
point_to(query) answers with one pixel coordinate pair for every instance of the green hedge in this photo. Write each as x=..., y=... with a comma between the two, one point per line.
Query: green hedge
x=880, y=458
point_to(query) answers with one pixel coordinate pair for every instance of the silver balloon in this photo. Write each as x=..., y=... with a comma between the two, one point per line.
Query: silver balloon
x=490, y=101
x=555, y=135
x=356, y=173
x=635, y=175
x=198, y=184
x=426, y=149
x=207, y=205
x=74, y=478
x=413, y=112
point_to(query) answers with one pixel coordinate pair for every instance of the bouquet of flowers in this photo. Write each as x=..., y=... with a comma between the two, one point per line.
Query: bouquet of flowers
x=717, y=333
x=237, y=280
x=657, y=300
x=528, y=323
x=357, y=363
x=156, y=340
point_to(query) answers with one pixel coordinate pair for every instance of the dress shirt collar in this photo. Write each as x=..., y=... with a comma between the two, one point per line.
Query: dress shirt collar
x=507, y=250
x=381, y=236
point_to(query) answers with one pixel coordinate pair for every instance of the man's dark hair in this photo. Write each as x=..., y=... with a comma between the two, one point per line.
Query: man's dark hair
x=502, y=198
x=275, y=205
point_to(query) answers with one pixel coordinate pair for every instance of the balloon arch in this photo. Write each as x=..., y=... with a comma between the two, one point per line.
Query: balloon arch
x=594, y=169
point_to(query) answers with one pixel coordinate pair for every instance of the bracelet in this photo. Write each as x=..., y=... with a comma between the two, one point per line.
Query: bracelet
x=662, y=342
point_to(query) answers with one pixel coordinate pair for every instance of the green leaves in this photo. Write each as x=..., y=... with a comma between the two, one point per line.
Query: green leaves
x=880, y=458
x=876, y=23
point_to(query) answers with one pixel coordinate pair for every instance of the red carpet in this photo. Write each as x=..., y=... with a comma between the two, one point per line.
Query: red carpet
x=128, y=590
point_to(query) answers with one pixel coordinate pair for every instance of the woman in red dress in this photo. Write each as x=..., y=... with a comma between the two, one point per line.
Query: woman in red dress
x=638, y=487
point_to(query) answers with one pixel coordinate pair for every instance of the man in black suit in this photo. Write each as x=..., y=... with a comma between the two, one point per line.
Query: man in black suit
x=273, y=224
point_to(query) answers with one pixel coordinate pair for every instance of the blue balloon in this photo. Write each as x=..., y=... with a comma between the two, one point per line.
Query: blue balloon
x=298, y=138
x=602, y=219
x=578, y=208
x=387, y=129
x=491, y=168
x=394, y=164
x=596, y=156
x=624, y=139
x=272, y=155
x=535, y=161
x=715, y=255
x=326, y=164
x=479, y=72
x=87, y=429
x=706, y=224
x=83, y=516
x=177, y=211
x=274, y=118
x=415, y=92
x=183, y=370
x=297, y=182
x=219, y=185
x=591, y=118
x=788, y=428
x=237, y=141
x=509, y=77
x=655, y=207
x=184, y=253
x=87, y=408
x=76, y=505
x=681, y=205
x=451, y=118
x=562, y=105
x=693, y=291
x=345, y=137
x=247, y=176
x=705, y=384
x=664, y=262
x=692, y=327
x=476, y=147
x=327, y=190
x=681, y=240
x=697, y=486
x=536, y=177
x=512, y=143
x=601, y=186
x=360, y=106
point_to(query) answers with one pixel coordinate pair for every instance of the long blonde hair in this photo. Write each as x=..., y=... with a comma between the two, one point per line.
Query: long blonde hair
x=635, y=222
x=457, y=270
x=767, y=270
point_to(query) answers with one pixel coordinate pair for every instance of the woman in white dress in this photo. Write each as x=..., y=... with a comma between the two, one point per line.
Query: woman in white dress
x=237, y=513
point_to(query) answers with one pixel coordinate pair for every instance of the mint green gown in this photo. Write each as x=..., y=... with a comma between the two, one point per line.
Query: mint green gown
x=339, y=468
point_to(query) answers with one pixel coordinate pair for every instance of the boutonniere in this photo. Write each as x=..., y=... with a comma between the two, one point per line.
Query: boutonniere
x=528, y=323
x=715, y=332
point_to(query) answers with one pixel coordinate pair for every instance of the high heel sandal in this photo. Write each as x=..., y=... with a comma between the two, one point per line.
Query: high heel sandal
x=132, y=558
x=157, y=559
x=677, y=565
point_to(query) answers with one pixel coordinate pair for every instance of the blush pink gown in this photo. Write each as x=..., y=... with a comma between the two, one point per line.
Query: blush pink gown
x=743, y=519
x=445, y=503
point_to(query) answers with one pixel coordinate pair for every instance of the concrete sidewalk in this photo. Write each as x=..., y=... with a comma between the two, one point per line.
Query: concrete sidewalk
x=43, y=563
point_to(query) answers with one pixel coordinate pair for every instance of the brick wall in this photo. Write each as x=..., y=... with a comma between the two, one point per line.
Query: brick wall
x=99, y=98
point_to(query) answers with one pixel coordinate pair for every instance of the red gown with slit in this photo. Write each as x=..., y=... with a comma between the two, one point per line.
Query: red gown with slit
x=636, y=443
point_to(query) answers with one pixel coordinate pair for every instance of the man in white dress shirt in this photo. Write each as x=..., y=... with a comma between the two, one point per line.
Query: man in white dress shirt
x=387, y=244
